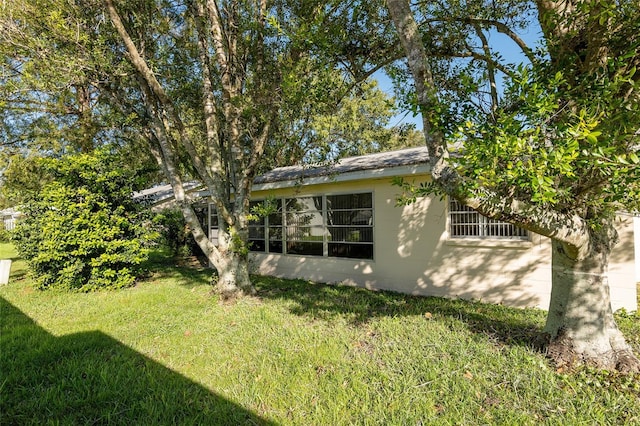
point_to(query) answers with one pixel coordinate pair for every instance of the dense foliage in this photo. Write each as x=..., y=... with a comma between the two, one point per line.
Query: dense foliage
x=83, y=231
x=175, y=234
x=566, y=136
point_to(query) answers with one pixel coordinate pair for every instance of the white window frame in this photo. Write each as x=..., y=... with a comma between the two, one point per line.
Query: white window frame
x=482, y=225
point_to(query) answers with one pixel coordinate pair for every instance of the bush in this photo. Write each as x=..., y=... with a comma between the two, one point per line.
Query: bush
x=5, y=236
x=83, y=231
x=175, y=233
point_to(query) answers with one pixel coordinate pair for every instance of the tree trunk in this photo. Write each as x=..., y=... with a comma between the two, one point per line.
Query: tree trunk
x=231, y=260
x=167, y=128
x=580, y=322
x=233, y=276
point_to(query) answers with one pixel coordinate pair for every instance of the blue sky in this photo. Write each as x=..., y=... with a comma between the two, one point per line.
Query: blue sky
x=498, y=42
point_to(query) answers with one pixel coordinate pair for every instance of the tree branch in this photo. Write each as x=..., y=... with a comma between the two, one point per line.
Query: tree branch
x=225, y=48
x=490, y=69
x=571, y=230
x=499, y=26
x=159, y=94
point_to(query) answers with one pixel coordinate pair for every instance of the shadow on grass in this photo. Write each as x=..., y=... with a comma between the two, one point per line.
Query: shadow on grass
x=357, y=305
x=190, y=272
x=90, y=378
x=18, y=270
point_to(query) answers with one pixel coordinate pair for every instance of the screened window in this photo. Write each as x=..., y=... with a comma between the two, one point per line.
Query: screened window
x=213, y=224
x=257, y=231
x=350, y=225
x=330, y=225
x=304, y=226
x=464, y=222
x=333, y=225
x=275, y=228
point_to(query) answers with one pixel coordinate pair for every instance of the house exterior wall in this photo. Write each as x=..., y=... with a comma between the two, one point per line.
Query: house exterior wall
x=622, y=267
x=10, y=218
x=413, y=254
x=636, y=231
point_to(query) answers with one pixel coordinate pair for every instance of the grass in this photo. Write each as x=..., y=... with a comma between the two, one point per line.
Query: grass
x=168, y=352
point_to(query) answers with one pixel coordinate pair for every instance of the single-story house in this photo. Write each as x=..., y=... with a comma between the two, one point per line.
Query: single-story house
x=9, y=218
x=340, y=224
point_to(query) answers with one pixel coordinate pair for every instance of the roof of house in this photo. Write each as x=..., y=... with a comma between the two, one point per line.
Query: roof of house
x=403, y=157
x=159, y=193
x=370, y=165
x=10, y=212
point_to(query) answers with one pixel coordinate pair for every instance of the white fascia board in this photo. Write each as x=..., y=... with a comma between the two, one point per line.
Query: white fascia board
x=387, y=172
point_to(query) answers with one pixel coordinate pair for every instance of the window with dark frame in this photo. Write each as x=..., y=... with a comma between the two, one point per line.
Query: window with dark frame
x=350, y=225
x=257, y=230
x=328, y=225
x=304, y=224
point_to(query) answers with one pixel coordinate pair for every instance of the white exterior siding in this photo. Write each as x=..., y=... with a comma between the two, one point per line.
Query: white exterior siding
x=10, y=218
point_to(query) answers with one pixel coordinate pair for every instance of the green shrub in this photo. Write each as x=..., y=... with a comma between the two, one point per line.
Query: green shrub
x=173, y=231
x=83, y=231
x=175, y=234
x=5, y=236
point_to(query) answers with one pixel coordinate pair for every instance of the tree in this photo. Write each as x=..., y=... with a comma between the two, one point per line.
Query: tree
x=556, y=153
x=359, y=124
x=218, y=79
x=45, y=91
x=53, y=72
x=83, y=231
x=209, y=85
x=239, y=64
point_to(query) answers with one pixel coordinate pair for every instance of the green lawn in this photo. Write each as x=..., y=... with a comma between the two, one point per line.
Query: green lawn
x=168, y=352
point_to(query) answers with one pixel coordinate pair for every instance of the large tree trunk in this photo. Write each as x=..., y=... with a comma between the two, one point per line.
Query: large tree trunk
x=231, y=260
x=233, y=276
x=580, y=322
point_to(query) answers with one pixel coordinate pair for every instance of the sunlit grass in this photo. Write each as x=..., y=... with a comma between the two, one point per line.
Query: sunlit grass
x=297, y=354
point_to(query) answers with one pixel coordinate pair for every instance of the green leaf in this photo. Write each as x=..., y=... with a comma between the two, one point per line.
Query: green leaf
x=603, y=19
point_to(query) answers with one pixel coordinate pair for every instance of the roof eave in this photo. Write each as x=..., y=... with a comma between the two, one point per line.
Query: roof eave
x=380, y=173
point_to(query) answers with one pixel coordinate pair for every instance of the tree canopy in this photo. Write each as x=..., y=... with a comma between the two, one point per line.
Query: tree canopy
x=53, y=100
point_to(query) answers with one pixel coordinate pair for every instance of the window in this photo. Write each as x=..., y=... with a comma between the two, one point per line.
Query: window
x=350, y=225
x=201, y=211
x=274, y=228
x=304, y=226
x=464, y=222
x=213, y=224
x=257, y=231
x=330, y=225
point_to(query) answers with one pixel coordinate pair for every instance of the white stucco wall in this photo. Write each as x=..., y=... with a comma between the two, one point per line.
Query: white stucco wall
x=622, y=267
x=414, y=254
x=636, y=230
